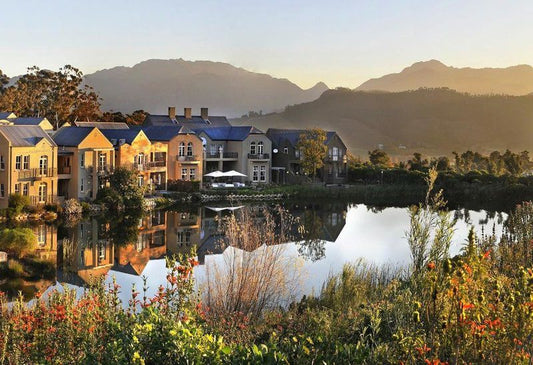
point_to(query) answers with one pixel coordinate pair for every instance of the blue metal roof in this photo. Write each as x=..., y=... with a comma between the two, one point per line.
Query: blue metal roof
x=71, y=136
x=27, y=121
x=163, y=133
x=239, y=133
x=194, y=122
x=128, y=135
x=278, y=136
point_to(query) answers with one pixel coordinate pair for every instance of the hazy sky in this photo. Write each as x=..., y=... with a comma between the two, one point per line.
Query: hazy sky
x=342, y=43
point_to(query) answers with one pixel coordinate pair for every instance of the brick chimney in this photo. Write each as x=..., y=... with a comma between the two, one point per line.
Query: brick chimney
x=187, y=113
x=204, y=113
x=172, y=112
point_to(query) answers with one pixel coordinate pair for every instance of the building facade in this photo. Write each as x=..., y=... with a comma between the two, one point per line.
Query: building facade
x=28, y=164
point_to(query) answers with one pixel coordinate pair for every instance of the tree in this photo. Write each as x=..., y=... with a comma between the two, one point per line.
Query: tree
x=17, y=241
x=4, y=80
x=379, y=158
x=416, y=163
x=58, y=96
x=123, y=191
x=313, y=150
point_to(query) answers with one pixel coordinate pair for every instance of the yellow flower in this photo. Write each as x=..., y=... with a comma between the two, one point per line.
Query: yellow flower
x=173, y=333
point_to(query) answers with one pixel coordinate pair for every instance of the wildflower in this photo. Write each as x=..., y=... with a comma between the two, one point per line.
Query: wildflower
x=431, y=266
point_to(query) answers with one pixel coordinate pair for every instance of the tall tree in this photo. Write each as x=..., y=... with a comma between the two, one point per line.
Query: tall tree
x=379, y=158
x=4, y=80
x=59, y=96
x=313, y=150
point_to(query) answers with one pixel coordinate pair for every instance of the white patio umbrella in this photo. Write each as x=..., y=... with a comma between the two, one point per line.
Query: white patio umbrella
x=233, y=173
x=220, y=209
x=215, y=174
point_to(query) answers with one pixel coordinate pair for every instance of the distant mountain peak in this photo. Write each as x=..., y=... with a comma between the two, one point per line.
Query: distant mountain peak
x=514, y=80
x=155, y=84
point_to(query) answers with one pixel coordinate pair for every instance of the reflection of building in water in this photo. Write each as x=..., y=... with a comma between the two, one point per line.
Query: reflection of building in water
x=151, y=244
x=87, y=252
x=183, y=230
x=46, y=242
x=323, y=221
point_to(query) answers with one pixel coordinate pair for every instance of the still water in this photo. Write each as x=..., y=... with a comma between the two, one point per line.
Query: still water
x=342, y=233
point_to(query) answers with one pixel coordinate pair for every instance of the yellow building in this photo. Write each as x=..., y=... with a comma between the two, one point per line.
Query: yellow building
x=86, y=158
x=28, y=164
x=184, y=151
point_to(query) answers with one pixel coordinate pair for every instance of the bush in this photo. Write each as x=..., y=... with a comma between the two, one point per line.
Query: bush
x=17, y=241
x=183, y=186
x=73, y=208
x=18, y=203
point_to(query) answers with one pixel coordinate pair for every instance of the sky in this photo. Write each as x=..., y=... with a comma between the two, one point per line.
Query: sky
x=342, y=43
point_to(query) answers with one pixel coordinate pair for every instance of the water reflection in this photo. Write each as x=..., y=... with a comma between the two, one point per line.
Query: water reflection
x=131, y=247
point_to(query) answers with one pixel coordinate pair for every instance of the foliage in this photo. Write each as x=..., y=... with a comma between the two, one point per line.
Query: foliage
x=73, y=208
x=379, y=158
x=17, y=241
x=183, y=186
x=60, y=96
x=135, y=118
x=17, y=203
x=313, y=150
x=123, y=191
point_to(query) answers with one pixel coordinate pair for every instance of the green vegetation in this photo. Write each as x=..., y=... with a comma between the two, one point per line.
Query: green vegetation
x=313, y=149
x=123, y=191
x=17, y=241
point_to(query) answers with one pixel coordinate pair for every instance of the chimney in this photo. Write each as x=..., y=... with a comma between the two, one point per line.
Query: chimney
x=204, y=113
x=172, y=112
x=187, y=113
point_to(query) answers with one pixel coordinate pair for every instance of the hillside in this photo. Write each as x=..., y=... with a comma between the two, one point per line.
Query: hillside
x=154, y=85
x=515, y=80
x=432, y=121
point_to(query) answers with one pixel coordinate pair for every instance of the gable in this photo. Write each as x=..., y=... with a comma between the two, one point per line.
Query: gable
x=95, y=139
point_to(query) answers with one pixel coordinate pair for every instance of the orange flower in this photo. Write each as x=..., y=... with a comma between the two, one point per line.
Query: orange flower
x=431, y=266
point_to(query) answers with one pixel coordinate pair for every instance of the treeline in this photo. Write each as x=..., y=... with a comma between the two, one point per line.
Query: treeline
x=60, y=96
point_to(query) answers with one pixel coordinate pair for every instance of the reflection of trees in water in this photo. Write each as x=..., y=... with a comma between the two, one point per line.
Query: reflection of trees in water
x=122, y=229
x=312, y=247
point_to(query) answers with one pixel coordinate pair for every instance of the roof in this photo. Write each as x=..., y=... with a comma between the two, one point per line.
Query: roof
x=195, y=121
x=115, y=135
x=25, y=136
x=278, y=136
x=32, y=121
x=6, y=115
x=71, y=136
x=164, y=133
x=103, y=125
x=239, y=133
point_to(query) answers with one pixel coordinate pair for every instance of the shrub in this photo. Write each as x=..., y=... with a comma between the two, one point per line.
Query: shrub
x=18, y=202
x=73, y=208
x=17, y=241
x=183, y=186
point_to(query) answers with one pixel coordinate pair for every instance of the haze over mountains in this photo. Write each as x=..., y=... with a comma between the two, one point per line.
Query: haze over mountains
x=154, y=85
x=430, y=121
x=514, y=80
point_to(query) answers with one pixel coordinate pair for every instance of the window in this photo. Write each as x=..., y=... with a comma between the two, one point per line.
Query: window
x=263, y=173
x=17, y=188
x=18, y=162
x=41, y=235
x=140, y=159
x=260, y=148
x=82, y=160
x=286, y=150
x=192, y=174
x=82, y=186
x=102, y=161
x=183, y=237
x=297, y=153
x=42, y=193
x=26, y=163
x=184, y=174
x=213, y=149
x=181, y=150
x=140, y=181
x=252, y=148
x=189, y=149
x=335, y=154
x=26, y=189
x=255, y=175
x=43, y=165
x=330, y=170
x=2, y=163
x=2, y=192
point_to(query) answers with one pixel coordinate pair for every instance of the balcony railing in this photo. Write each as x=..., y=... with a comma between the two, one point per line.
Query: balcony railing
x=37, y=173
x=47, y=199
x=190, y=158
x=64, y=170
x=101, y=170
x=153, y=165
x=222, y=155
x=259, y=156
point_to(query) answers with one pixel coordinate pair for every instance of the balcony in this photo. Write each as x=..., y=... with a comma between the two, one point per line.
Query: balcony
x=150, y=166
x=37, y=173
x=102, y=170
x=259, y=156
x=47, y=199
x=222, y=155
x=189, y=158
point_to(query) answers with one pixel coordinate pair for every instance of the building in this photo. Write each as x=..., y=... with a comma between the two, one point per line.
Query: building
x=28, y=164
x=286, y=158
x=182, y=150
x=224, y=147
x=86, y=158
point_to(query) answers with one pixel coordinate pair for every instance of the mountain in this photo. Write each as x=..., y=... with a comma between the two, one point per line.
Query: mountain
x=514, y=80
x=430, y=121
x=154, y=85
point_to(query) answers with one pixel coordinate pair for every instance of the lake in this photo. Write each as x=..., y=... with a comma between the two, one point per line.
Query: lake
x=338, y=233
